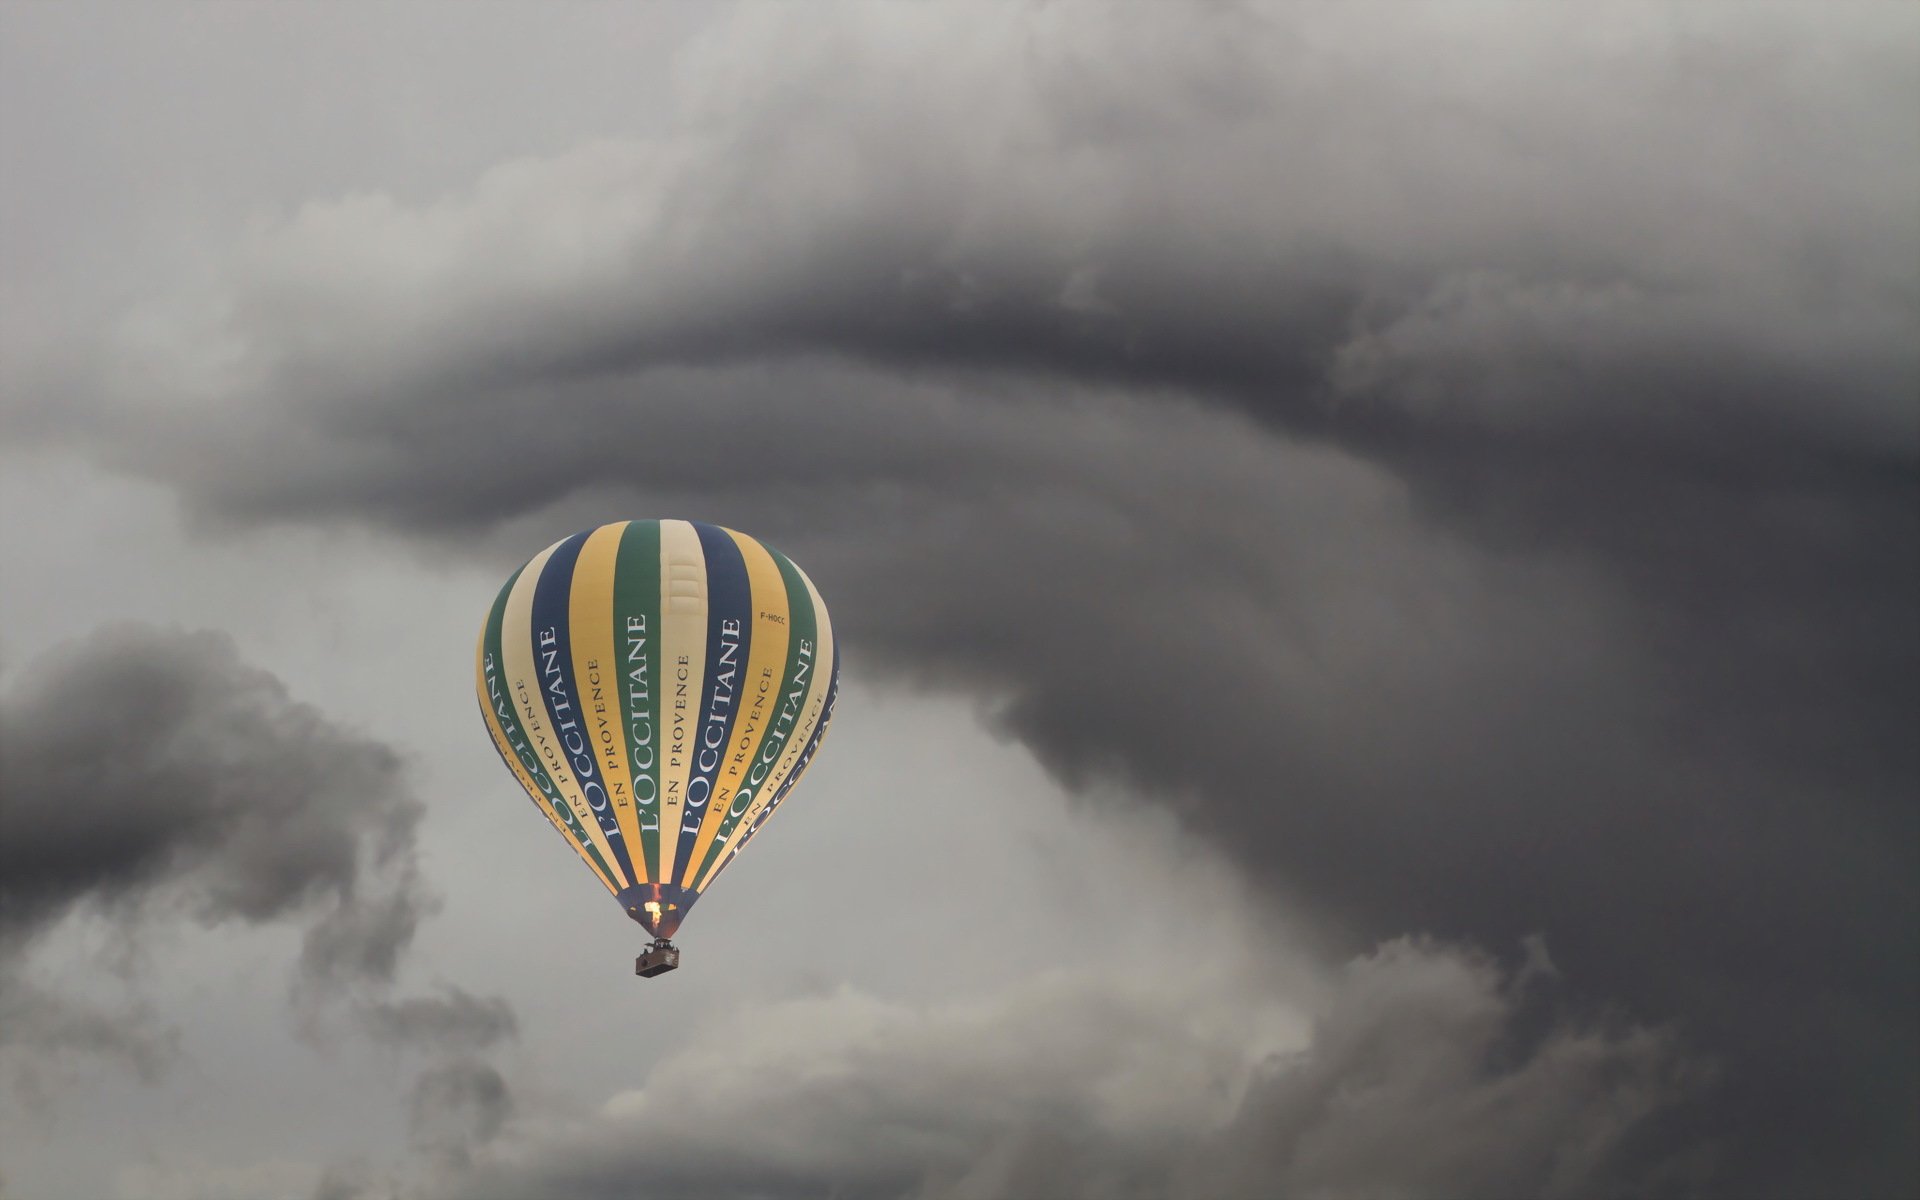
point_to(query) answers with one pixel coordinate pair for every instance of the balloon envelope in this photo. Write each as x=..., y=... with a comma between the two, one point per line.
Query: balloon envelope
x=657, y=687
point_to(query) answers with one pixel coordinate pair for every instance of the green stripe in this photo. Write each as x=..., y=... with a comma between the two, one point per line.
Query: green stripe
x=637, y=629
x=788, y=712
x=500, y=704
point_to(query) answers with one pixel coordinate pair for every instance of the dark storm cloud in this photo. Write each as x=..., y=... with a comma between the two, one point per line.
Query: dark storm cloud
x=146, y=772
x=1419, y=1080
x=39, y=1028
x=457, y=1106
x=1562, y=228
x=453, y=1022
x=1473, y=468
x=148, y=768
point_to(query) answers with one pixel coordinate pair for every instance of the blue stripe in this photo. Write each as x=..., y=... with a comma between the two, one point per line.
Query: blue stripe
x=729, y=633
x=806, y=755
x=553, y=661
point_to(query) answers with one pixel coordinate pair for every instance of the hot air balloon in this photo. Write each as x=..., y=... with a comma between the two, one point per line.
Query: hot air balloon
x=657, y=688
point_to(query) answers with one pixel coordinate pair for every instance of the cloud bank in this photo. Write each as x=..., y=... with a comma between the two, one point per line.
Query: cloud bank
x=151, y=772
x=148, y=774
x=1471, y=469
x=1420, y=1078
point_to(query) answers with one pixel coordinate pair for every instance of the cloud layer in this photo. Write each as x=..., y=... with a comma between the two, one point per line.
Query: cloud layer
x=148, y=770
x=1471, y=469
x=148, y=774
x=1421, y=1078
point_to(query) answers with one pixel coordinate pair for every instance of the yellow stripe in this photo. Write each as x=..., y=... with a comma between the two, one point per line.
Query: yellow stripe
x=816, y=703
x=596, y=671
x=683, y=654
x=766, y=660
x=523, y=682
x=519, y=768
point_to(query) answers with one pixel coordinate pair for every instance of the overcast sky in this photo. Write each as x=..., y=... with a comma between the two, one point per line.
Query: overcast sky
x=1376, y=548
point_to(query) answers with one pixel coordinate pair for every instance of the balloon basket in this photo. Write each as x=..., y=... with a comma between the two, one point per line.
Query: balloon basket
x=661, y=957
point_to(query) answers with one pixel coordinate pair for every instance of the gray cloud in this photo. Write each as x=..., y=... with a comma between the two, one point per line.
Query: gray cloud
x=1472, y=468
x=457, y=1106
x=452, y=1022
x=221, y=798
x=151, y=769
x=1420, y=1078
x=1539, y=233
x=1436, y=1075
x=41, y=1031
